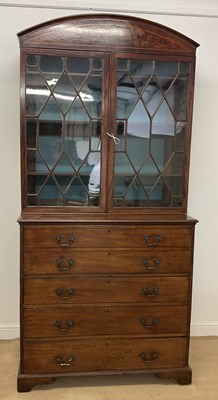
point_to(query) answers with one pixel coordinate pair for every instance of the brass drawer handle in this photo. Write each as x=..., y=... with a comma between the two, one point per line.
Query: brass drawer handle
x=64, y=293
x=69, y=325
x=153, y=356
x=151, y=263
x=152, y=293
x=64, y=362
x=152, y=240
x=64, y=241
x=154, y=322
x=69, y=263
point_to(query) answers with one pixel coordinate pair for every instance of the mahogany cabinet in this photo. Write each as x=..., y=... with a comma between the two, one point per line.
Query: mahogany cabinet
x=106, y=243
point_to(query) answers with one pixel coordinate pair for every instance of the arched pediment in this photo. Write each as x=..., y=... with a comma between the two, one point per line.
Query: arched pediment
x=107, y=32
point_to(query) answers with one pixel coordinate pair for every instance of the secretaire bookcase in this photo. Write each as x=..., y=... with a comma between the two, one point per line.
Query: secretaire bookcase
x=106, y=243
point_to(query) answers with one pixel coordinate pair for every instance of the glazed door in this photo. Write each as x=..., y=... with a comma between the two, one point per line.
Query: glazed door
x=151, y=129
x=65, y=95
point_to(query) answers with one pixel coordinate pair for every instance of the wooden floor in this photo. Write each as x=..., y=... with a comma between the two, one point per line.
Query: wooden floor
x=203, y=360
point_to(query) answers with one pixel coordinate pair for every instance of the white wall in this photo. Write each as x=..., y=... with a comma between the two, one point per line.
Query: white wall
x=197, y=19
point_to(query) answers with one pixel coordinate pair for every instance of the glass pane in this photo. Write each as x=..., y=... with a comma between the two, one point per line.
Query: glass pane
x=77, y=112
x=31, y=60
x=180, y=136
x=97, y=64
x=51, y=68
x=51, y=64
x=63, y=181
x=78, y=69
x=37, y=92
x=181, y=98
x=64, y=92
x=124, y=174
x=136, y=195
x=162, y=148
x=32, y=200
x=159, y=195
x=35, y=162
x=76, y=194
x=141, y=72
x=152, y=101
x=163, y=121
x=77, y=65
x=139, y=123
x=35, y=183
x=166, y=72
x=63, y=132
x=126, y=95
x=96, y=135
x=91, y=95
x=72, y=147
x=63, y=164
x=51, y=112
x=31, y=132
x=50, y=142
x=137, y=150
x=152, y=97
x=184, y=68
x=122, y=65
x=175, y=165
x=50, y=193
x=94, y=180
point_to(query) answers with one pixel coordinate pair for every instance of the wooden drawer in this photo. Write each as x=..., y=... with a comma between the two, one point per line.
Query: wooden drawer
x=107, y=289
x=110, y=320
x=107, y=261
x=102, y=354
x=115, y=236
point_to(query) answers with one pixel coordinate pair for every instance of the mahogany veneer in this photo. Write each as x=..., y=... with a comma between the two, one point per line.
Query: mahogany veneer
x=106, y=282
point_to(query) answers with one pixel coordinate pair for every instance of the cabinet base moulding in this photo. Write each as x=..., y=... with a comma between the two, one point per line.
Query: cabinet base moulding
x=26, y=382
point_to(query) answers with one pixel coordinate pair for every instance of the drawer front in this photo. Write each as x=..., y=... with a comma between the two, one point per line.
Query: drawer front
x=91, y=236
x=103, y=354
x=106, y=289
x=111, y=320
x=107, y=261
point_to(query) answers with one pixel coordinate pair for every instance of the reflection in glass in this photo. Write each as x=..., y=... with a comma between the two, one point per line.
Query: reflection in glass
x=92, y=94
x=180, y=136
x=51, y=111
x=126, y=95
x=77, y=193
x=37, y=92
x=77, y=112
x=151, y=113
x=163, y=122
x=51, y=68
x=64, y=92
x=138, y=123
x=137, y=149
x=152, y=98
x=141, y=72
x=63, y=100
